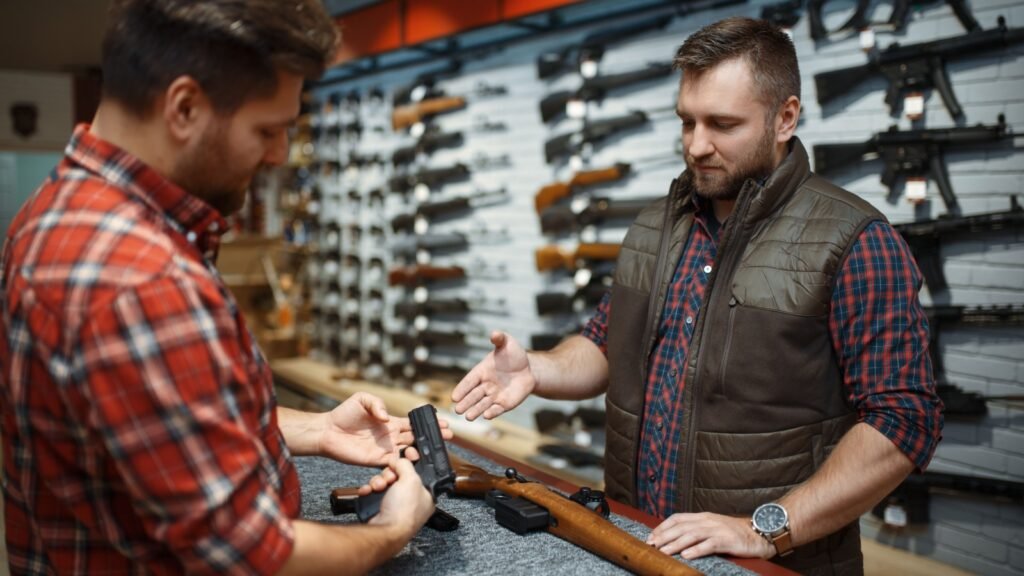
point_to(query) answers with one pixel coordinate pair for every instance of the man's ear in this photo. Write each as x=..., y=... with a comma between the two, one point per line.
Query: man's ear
x=787, y=119
x=186, y=108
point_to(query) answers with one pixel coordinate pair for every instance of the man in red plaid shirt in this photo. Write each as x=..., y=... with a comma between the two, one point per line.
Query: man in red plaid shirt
x=140, y=429
x=763, y=350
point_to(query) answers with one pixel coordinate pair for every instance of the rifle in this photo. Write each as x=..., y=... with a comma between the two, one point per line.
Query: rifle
x=447, y=242
x=562, y=303
x=553, y=257
x=913, y=495
x=924, y=238
x=431, y=140
x=553, y=105
x=956, y=401
x=557, y=219
x=437, y=209
x=436, y=306
x=434, y=469
x=783, y=14
x=430, y=337
x=552, y=193
x=421, y=274
x=409, y=114
x=524, y=506
x=550, y=64
x=430, y=177
x=897, y=18
x=912, y=153
x=593, y=132
x=916, y=67
x=422, y=87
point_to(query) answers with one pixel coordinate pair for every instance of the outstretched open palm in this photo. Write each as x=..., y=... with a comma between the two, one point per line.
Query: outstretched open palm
x=500, y=382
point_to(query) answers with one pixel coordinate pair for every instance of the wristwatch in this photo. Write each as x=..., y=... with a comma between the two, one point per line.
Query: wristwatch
x=771, y=521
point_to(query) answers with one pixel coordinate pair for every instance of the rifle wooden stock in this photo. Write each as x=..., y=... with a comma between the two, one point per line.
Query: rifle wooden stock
x=555, y=257
x=572, y=522
x=412, y=275
x=552, y=193
x=405, y=116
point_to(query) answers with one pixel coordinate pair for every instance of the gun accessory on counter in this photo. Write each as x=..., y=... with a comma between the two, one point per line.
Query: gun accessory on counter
x=553, y=257
x=553, y=105
x=523, y=506
x=409, y=114
x=956, y=401
x=433, y=467
x=552, y=193
x=916, y=67
x=437, y=210
x=550, y=64
x=560, y=219
x=897, y=18
x=431, y=177
x=593, y=132
x=911, y=153
x=925, y=237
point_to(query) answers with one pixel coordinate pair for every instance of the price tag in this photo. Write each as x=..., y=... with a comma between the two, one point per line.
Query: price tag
x=417, y=129
x=417, y=93
x=913, y=105
x=579, y=204
x=420, y=225
x=423, y=257
x=421, y=192
x=582, y=438
x=421, y=323
x=421, y=353
x=867, y=39
x=895, y=515
x=916, y=190
x=588, y=68
x=582, y=277
x=576, y=163
x=576, y=108
x=588, y=234
x=420, y=294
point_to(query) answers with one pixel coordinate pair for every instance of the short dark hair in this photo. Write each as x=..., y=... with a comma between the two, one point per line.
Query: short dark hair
x=233, y=48
x=767, y=50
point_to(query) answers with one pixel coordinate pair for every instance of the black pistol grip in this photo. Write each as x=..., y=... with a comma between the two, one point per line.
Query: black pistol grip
x=434, y=468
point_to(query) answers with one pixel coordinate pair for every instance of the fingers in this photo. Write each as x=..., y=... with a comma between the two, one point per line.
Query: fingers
x=373, y=406
x=479, y=408
x=446, y=431
x=468, y=383
x=470, y=399
x=499, y=339
x=494, y=411
x=410, y=453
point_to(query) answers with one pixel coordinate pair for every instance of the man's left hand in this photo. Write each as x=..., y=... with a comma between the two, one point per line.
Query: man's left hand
x=360, y=431
x=697, y=535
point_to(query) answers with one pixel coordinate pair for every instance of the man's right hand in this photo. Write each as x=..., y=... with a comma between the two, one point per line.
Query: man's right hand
x=500, y=382
x=407, y=505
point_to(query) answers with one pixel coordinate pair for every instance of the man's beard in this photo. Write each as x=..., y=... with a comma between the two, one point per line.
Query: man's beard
x=207, y=173
x=727, y=185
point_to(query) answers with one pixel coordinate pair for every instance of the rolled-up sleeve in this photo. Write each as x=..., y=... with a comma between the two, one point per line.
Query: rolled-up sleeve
x=880, y=335
x=596, y=329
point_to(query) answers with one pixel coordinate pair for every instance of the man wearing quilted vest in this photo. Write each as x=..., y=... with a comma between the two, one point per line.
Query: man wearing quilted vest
x=763, y=350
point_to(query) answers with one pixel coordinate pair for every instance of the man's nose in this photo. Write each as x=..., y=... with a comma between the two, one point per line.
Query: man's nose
x=700, y=143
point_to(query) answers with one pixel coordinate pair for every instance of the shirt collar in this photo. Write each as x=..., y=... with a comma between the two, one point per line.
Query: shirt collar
x=191, y=217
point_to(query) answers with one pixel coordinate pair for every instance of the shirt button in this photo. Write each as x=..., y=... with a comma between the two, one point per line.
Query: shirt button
x=659, y=425
x=214, y=227
x=672, y=373
x=689, y=319
x=707, y=269
x=652, y=478
x=191, y=236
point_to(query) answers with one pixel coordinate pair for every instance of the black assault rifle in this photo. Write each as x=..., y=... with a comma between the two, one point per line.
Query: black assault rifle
x=897, y=18
x=560, y=218
x=917, y=67
x=439, y=209
x=592, y=47
x=911, y=153
x=553, y=105
x=431, y=177
x=566, y=144
x=925, y=237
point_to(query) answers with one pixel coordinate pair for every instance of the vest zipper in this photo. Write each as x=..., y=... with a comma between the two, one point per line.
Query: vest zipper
x=727, y=262
x=728, y=345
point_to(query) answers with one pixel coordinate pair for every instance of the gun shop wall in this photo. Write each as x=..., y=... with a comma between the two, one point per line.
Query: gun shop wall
x=426, y=202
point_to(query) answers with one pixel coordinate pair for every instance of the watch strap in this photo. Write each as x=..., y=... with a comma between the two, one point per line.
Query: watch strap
x=783, y=543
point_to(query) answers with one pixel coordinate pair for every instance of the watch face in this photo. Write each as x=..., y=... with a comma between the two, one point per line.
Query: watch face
x=770, y=518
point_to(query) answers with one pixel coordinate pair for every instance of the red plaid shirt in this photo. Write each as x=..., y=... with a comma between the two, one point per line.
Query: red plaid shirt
x=879, y=333
x=139, y=420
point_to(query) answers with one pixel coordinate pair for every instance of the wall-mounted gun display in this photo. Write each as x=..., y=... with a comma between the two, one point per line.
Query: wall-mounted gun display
x=409, y=114
x=911, y=153
x=438, y=306
x=437, y=210
x=569, y=58
x=897, y=18
x=956, y=401
x=562, y=219
x=447, y=242
x=592, y=133
x=913, y=496
x=425, y=274
x=925, y=238
x=561, y=303
x=553, y=105
x=429, y=142
x=916, y=67
x=429, y=177
x=558, y=258
x=552, y=193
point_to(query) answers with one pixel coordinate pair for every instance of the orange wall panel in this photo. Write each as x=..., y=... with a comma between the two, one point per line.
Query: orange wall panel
x=517, y=8
x=432, y=19
x=371, y=30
